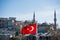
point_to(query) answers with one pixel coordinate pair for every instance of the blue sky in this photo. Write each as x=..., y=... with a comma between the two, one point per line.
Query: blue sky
x=24, y=9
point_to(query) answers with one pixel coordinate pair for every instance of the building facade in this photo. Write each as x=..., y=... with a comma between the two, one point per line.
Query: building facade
x=3, y=22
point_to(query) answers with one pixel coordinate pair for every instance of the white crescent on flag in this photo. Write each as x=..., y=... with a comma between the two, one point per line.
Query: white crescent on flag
x=32, y=28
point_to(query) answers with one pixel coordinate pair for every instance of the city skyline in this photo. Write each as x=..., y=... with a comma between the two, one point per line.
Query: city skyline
x=24, y=9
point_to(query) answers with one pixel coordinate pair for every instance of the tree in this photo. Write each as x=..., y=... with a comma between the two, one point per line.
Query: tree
x=14, y=38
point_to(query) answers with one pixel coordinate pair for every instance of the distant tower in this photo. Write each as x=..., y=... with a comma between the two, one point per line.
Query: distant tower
x=55, y=19
x=33, y=18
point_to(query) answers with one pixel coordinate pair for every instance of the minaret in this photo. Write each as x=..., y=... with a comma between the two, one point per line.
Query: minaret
x=55, y=19
x=34, y=17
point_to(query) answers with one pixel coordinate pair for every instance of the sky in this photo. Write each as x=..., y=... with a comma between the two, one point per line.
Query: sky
x=24, y=9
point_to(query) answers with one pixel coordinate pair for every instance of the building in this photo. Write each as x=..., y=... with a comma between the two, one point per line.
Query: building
x=44, y=27
x=11, y=22
x=19, y=25
x=6, y=35
x=3, y=22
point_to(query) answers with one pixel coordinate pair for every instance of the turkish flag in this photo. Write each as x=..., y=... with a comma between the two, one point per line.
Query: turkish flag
x=30, y=29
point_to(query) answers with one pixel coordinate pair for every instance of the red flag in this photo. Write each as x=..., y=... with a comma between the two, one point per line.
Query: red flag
x=31, y=29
